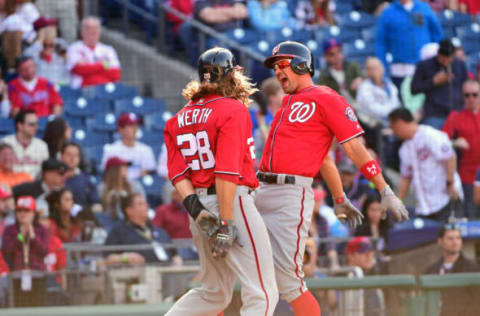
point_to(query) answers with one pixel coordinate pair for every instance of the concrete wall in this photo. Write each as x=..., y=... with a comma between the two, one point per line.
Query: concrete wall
x=155, y=75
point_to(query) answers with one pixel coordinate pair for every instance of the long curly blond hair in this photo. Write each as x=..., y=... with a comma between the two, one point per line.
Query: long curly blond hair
x=234, y=85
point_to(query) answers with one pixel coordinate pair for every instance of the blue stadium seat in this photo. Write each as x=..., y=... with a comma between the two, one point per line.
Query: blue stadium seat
x=153, y=185
x=358, y=49
x=262, y=47
x=139, y=105
x=94, y=155
x=469, y=33
x=470, y=47
x=448, y=31
x=343, y=6
x=68, y=93
x=368, y=34
x=88, y=138
x=453, y=18
x=242, y=35
x=7, y=126
x=111, y=91
x=85, y=107
x=356, y=20
x=342, y=35
x=150, y=137
x=75, y=122
x=157, y=121
x=472, y=61
x=42, y=123
x=157, y=148
x=103, y=122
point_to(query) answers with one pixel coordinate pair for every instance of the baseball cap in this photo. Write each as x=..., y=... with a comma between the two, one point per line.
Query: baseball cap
x=44, y=21
x=115, y=161
x=446, y=47
x=26, y=202
x=129, y=119
x=52, y=164
x=359, y=244
x=329, y=44
x=5, y=191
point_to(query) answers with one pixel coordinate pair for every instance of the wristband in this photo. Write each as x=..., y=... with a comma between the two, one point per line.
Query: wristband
x=371, y=169
x=193, y=205
x=20, y=238
x=340, y=200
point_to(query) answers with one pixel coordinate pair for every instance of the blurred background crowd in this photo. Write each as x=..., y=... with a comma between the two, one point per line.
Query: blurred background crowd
x=82, y=159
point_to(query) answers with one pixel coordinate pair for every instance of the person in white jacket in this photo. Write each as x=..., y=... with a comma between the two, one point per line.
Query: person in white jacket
x=377, y=96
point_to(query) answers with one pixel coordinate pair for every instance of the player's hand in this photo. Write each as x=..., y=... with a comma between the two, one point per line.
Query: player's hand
x=391, y=202
x=223, y=240
x=452, y=192
x=345, y=210
x=208, y=222
x=442, y=77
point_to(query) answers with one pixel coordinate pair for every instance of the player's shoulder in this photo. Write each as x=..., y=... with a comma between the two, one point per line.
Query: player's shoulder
x=429, y=132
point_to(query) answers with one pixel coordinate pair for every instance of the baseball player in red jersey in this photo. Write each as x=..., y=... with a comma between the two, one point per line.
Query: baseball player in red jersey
x=210, y=162
x=300, y=137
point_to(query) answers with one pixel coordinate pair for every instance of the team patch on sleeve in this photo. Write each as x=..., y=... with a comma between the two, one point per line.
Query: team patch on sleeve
x=350, y=114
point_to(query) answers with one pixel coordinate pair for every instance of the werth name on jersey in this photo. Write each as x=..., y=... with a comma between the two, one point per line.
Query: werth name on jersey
x=195, y=116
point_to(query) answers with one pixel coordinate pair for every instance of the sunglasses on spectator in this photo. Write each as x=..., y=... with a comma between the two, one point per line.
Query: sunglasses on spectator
x=468, y=95
x=282, y=64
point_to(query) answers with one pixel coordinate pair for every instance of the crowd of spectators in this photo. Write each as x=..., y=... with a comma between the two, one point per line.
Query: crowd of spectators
x=48, y=196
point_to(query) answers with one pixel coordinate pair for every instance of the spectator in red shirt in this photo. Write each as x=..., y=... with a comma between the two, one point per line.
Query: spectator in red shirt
x=62, y=223
x=173, y=217
x=470, y=6
x=30, y=92
x=91, y=62
x=464, y=128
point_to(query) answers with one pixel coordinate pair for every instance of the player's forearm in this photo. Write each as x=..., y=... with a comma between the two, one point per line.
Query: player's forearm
x=451, y=165
x=403, y=188
x=357, y=152
x=331, y=176
x=184, y=188
x=476, y=194
x=226, y=195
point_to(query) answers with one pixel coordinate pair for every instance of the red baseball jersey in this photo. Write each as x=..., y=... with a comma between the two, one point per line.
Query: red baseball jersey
x=302, y=131
x=211, y=138
x=41, y=99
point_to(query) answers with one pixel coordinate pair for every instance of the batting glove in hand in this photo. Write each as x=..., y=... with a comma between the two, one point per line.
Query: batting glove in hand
x=206, y=220
x=345, y=210
x=226, y=235
x=391, y=202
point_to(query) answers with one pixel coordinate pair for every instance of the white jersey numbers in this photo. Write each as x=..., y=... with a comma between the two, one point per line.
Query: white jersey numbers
x=251, y=146
x=198, y=144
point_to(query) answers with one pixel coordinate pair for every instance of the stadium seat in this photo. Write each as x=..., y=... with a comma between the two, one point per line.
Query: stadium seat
x=358, y=49
x=42, y=124
x=68, y=93
x=356, y=20
x=153, y=137
x=342, y=35
x=157, y=121
x=111, y=91
x=139, y=105
x=342, y=7
x=469, y=33
x=94, y=156
x=153, y=185
x=262, y=47
x=448, y=31
x=472, y=62
x=368, y=34
x=469, y=46
x=453, y=18
x=103, y=122
x=88, y=138
x=75, y=122
x=85, y=107
x=242, y=35
x=7, y=126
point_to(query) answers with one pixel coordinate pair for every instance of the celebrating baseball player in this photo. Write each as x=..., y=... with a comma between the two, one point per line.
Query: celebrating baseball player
x=298, y=143
x=210, y=162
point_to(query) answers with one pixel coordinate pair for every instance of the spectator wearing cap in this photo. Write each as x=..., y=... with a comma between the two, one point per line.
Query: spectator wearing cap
x=78, y=181
x=115, y=185
x=360, y=254
x=441, y=79
x=377, y=96
x=455, y=301
x=339, y=74
x=7, y=215
x=139, y=155
x=50, y=64
x=24, y=247
x=463, y=128
x=31, y=92
x=172, y=217
x=428, y=161
x=66, y=13
x=405, y=19
x=52, y=178
x=91, y=62
x=7, y=174
x=29, y=151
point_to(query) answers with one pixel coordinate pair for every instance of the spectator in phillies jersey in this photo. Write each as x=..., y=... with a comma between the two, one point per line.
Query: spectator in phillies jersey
x=91, y=62
x=464, y=129
x=428, y=161
x=7, y=174
x=139, y=155
x=29, y=150
x=339, y=74
x=440, y=78
x=31, y=92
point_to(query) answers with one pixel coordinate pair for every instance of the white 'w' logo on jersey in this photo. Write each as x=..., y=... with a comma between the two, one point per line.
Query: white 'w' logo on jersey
x=301, y=112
